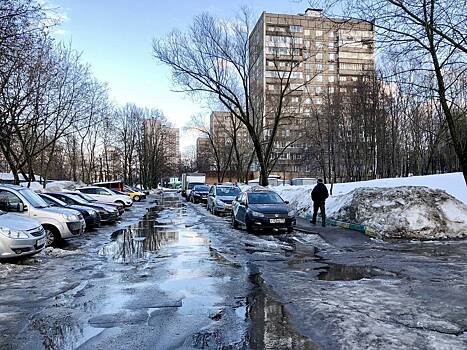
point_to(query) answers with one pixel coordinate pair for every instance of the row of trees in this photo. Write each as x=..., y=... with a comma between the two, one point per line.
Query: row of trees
x=56, y=119
x=409, y=118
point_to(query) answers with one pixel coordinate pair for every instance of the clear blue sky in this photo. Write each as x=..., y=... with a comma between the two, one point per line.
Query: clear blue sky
x=115, y=38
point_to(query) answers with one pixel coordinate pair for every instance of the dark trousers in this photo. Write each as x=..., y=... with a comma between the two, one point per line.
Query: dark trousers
x=322, y=209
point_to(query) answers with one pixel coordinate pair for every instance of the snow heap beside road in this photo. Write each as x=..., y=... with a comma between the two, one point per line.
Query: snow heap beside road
x=405, y=212
x=451, y=204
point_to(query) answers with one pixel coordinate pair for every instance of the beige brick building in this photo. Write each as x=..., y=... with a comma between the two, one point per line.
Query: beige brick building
x=311, y=57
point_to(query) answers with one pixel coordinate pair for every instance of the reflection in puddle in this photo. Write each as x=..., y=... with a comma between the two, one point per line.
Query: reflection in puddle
x=270, y=324
x=336, y=272
x=139, y=241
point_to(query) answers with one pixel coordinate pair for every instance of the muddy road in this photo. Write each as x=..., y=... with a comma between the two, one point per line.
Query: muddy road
x=172, y=276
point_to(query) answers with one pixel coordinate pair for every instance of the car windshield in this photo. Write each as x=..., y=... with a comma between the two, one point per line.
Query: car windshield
x=264, y=198
x=227, y=191
x=77, y=198
x=34, y=199
x=201, y=188
x=53, y=201
x=191, y=185
x=85, y=197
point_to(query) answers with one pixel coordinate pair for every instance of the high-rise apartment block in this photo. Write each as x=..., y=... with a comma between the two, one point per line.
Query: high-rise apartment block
x=315, y=57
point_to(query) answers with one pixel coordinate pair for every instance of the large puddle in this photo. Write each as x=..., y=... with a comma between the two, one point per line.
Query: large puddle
x=270, y=322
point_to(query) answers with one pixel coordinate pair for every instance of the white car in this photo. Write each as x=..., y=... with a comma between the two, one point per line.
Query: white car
x=105, y=195
x=20, y=236
x=57, y=222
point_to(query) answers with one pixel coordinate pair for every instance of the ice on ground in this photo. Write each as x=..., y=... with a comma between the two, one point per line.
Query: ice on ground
x=404, y=212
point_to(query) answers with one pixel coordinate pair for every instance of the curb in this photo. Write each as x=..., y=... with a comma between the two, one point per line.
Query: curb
x=369, y=231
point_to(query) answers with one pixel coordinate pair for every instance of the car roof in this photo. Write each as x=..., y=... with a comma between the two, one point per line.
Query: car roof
x=258, y=189
x=12, y=187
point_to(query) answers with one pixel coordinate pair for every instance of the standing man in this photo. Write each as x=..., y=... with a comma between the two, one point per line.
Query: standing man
x=319, y=195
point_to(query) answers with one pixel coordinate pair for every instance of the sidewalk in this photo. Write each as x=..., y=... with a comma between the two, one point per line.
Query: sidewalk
x=336, y=236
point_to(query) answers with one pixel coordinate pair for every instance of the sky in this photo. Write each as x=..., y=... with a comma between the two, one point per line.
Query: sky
x=115, y=38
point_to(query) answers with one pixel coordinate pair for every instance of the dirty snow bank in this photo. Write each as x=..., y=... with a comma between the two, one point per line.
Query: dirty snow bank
x=404, y=212
x=454, y=185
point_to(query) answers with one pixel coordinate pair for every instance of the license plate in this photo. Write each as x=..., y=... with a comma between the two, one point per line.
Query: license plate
x=277, y=221
x=40, y=242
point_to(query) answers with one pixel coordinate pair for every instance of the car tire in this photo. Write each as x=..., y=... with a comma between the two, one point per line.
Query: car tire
x=120, y=202
x=234, y=222
x=249, y=228
x=52, y=235
x=136, y=198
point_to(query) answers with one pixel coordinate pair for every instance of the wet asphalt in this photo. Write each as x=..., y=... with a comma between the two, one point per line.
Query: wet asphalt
x=172, y=276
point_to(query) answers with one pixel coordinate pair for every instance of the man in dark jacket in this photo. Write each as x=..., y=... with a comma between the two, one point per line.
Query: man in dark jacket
x=319, y=195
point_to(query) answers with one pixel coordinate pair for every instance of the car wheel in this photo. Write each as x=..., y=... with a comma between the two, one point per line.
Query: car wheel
x=120, y=202
x=249, y=228
x=136, y=198
x=52, y=235
x=234, y=222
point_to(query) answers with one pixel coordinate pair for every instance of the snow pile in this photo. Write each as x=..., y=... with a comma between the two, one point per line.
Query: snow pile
x=453, y=184
x=404, y=212
x=59, y=186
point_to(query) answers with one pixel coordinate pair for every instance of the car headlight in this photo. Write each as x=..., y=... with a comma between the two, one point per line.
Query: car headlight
x=13, y=234
x=291, y=213
x=91, y=212
x=71, y=217
x=220, y=203
x=257, y=214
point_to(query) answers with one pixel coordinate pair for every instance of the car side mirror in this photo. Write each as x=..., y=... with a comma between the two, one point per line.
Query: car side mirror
x=17, y=207
x=286, y=202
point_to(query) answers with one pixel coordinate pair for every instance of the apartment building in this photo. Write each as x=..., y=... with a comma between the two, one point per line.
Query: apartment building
x=203, y=154
x=298, y=62
x=170, y=137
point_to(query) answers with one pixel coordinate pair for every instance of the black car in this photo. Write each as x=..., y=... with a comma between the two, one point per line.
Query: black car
x=120, y=207
x=91, y=216
x=259, y=209
x=108, y=214
x=199, y=193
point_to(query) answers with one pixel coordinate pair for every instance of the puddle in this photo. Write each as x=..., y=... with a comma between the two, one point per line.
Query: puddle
x=271, y=327
x=337, y=272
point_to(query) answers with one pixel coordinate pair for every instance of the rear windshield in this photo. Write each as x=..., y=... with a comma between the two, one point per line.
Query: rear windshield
x=191, y=185
x=264, y=198
x=228, y=191
x=201, y=188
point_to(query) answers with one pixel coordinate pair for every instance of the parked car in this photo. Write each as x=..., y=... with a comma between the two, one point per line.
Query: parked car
x=91, y=216
x=58, y=223
x=120, y=207
x=220, y=198
x=199, y=194
x=20, y=236
x=134, y=193
x=107, y=213
x=135, y=196
x=259, y=209
x=106, y=196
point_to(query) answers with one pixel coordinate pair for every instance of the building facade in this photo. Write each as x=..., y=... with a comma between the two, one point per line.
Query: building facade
x=298, y=62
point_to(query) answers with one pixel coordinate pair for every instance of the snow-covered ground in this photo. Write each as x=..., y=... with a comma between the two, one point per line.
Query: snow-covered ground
x=453, y=184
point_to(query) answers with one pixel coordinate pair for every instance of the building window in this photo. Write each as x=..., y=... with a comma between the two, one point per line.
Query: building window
x=319, y=77
x=331, y=79
x=308, y=66
x=296, y=29
x=319, y=56
x=319, y=45
x=331, y=68
x=343, y=90
x=318, y=89
x=342, y=78
x=319, y=67
x=331, y=45
x=331, y=34
x=319, y=33
x=270, y=87
x=332, y=57
x=319, y=101
x=331, y=90
x=354, y=78
x=307, y=32
x=295, y=99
